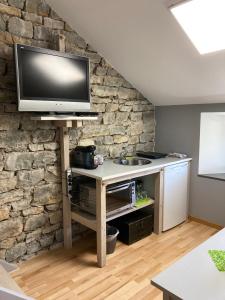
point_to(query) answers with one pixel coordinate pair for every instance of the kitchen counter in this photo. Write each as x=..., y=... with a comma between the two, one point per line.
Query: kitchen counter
x=110, y=173
x=109, y=170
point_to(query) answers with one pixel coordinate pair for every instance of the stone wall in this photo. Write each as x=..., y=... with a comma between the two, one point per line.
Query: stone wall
x=30, y=186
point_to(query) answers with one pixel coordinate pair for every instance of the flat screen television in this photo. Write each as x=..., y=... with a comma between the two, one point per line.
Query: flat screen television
x=51, y=81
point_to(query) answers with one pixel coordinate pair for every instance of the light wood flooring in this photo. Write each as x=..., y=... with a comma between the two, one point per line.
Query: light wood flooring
x=74, y=275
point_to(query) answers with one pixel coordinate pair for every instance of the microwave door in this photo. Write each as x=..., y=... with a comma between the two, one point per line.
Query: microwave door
x=119, y=189
x=118, y=198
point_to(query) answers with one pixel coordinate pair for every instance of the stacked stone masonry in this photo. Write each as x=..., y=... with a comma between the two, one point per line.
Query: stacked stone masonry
x=30, y=185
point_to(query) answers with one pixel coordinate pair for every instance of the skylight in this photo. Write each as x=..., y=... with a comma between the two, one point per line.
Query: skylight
x=204, y=23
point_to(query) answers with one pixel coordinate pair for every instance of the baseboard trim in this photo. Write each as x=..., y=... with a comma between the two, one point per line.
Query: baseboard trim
x=219, y=227
x=8, y=266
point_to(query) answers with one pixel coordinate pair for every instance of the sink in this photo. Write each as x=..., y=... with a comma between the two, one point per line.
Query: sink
x=132, y=161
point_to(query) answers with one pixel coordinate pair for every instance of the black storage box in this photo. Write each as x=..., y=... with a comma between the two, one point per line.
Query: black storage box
x=134, y=227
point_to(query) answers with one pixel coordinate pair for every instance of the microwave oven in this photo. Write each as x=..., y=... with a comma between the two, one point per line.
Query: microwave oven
x=119, y=196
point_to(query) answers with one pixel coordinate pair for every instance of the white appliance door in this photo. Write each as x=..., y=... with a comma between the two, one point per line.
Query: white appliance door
x=175, y=205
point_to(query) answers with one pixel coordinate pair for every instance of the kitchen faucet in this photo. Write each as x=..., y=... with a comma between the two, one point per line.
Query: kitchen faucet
x=123, y=154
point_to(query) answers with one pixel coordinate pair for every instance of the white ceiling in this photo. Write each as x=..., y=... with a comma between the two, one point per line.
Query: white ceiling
x=142, y=40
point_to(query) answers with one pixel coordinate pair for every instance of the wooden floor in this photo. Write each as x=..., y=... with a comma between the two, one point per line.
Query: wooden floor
x=73, y=274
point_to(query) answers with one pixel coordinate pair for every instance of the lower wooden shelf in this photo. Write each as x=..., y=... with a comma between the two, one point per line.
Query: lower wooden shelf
x=84, y=218
x=128, y=211
x=89, y=220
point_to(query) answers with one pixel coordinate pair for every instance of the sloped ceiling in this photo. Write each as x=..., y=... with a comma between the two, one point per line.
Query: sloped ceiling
x=143, y=41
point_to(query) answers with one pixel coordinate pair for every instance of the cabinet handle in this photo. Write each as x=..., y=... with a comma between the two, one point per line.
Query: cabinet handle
x=118, y=189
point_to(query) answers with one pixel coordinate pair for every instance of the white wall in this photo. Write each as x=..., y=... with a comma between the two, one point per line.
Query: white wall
x=212, y=143
x=178, y=129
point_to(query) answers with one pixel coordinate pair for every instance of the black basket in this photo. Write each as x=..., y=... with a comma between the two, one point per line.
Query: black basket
x=134, y=227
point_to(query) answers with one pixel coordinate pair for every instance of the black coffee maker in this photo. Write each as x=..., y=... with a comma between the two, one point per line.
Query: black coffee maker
x=83, y=157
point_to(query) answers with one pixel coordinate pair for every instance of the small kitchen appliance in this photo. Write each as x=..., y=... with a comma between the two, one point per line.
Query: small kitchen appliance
x=82, y=194
x=83, y=157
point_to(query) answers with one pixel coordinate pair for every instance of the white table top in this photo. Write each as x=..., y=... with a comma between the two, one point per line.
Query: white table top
x=195, y=277
x=109, y=170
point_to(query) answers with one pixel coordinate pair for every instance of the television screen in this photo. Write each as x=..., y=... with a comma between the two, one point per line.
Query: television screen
x=59, y=80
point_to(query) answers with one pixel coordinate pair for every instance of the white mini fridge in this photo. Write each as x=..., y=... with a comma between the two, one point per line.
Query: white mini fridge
x=175, y=202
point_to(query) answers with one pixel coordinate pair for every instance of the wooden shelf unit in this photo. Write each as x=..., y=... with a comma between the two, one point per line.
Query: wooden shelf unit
x=98, y=222
x=64, y=122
